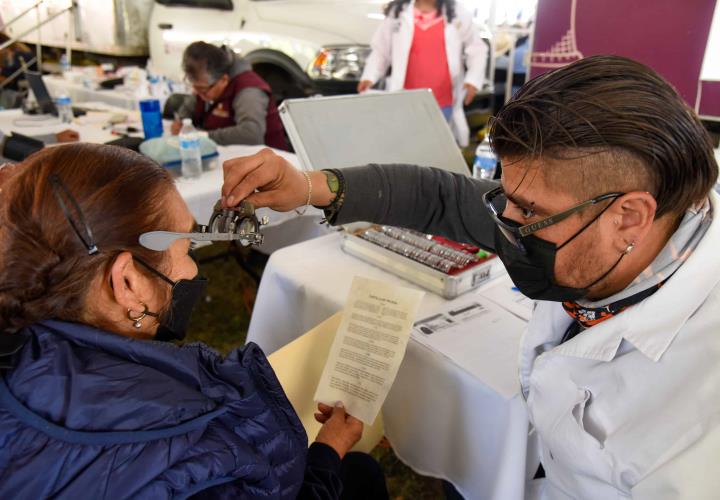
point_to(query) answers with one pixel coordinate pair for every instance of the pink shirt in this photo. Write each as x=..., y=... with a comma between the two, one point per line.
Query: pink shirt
x=427, y=62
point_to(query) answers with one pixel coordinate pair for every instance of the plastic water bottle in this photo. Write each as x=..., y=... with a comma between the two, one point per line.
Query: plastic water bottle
x=485, y=162
x=64, y=64
x=64, y=108
x=191, y=166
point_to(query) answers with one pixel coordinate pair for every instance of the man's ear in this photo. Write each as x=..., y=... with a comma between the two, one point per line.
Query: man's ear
x=633, y=215
x=129, y=285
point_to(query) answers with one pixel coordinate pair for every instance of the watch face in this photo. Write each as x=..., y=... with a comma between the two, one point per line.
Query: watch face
x=333, y=182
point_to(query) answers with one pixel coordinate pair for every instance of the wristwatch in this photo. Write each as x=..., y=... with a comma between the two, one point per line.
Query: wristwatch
x=332, y=181
x=336, y=184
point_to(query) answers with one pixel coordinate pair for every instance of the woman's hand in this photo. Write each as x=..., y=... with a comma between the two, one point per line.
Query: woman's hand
x=340, y=431
x=279, y=185
x=67, y=135
x=470, y=92
x=363, y=86
x=175, y=127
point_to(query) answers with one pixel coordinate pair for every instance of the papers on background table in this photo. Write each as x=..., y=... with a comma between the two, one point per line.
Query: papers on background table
x=368, y=347
x=468, y=328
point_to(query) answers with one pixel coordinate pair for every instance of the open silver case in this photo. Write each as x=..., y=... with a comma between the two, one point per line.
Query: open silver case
x=383, y=127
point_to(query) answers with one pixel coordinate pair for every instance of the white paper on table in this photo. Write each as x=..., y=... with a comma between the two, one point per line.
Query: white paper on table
x=467, y=331
x=368, y=347
x=505, y=294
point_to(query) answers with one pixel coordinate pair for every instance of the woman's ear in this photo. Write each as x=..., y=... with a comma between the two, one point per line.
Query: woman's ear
x=131, y=288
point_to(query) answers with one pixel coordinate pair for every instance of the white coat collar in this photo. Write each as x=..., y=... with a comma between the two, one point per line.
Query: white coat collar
x=651, y=325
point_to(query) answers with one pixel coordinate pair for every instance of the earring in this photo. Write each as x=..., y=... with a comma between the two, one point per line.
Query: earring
x=137, y=321
x=629, y=248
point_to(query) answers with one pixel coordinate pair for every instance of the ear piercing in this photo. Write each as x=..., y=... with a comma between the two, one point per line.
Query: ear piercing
x=137, y=321
x=629, y=248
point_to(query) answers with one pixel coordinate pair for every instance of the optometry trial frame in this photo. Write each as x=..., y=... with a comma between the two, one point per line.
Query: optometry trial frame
x=226, y=224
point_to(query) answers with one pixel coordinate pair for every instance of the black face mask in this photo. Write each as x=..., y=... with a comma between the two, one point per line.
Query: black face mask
x=533, y=271
x=185, y=296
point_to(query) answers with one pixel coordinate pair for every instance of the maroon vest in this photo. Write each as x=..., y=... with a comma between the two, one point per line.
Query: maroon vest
x=210, y=120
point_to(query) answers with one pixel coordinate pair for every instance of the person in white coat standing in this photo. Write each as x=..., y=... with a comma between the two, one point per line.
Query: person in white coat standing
x=428, y=43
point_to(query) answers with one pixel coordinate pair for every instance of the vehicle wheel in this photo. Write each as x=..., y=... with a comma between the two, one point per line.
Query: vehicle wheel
x=281, y=83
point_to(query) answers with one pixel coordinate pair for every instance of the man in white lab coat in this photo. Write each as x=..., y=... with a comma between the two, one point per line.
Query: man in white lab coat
x=606, y=215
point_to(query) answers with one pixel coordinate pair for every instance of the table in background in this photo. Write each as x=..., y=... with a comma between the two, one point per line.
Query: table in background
x=79, y=93
x=441, y=421
x=285, y=228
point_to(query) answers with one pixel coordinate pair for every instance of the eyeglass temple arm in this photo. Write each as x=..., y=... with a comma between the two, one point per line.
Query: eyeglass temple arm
x=554, y=219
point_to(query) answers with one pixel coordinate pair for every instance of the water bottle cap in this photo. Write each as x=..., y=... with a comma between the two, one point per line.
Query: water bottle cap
x=63, y=99
x=187, y=121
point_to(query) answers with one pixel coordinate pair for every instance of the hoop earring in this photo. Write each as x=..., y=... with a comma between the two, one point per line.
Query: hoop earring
x=137, y=321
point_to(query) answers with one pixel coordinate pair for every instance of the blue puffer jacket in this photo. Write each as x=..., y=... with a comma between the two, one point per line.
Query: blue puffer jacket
x=89, y=414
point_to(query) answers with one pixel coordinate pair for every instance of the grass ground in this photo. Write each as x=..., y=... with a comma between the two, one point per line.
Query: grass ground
x=222, y=320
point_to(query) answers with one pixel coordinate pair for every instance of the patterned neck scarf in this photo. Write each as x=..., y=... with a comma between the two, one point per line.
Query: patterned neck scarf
x=591, y=316
x=677, y=250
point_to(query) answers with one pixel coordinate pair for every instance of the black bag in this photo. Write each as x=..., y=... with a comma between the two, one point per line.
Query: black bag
x=18, y=147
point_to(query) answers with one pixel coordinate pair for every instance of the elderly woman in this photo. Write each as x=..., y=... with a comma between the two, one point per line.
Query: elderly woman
x=92, y=405
x=232, y=102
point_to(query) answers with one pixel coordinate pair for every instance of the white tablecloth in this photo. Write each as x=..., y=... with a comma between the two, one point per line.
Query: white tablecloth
x=200, y=194
x=441, y=420
x=78, y=93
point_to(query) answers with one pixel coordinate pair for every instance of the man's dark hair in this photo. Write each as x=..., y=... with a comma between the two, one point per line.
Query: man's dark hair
x=393, y=8
x=201, y=57
x=625, y=121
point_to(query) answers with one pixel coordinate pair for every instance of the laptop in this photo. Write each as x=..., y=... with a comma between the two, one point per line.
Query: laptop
x=42, y=95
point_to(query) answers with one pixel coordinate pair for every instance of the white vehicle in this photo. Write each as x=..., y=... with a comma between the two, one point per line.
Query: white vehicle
x=300, y=47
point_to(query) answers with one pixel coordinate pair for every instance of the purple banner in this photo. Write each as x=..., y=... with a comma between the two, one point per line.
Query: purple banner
x=667, y=35
x=710, y=100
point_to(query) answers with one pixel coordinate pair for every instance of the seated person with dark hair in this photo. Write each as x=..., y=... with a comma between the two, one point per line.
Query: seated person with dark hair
x=232, y=102
x=92, y=404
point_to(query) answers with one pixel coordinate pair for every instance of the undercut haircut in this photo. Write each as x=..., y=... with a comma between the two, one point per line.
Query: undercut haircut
x=625, y=124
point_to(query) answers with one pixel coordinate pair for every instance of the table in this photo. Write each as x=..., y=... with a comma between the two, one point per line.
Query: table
x=200, y=194
x=78, y=93
x=441, y=421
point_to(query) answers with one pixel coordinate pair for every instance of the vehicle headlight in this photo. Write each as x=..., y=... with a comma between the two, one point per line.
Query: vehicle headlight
x=339, y=62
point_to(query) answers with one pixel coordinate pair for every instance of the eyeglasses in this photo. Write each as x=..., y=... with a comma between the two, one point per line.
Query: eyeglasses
x=200, y=89
x=496, y=201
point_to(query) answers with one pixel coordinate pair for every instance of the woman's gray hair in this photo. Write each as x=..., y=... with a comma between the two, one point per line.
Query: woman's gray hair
x=203, y=57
